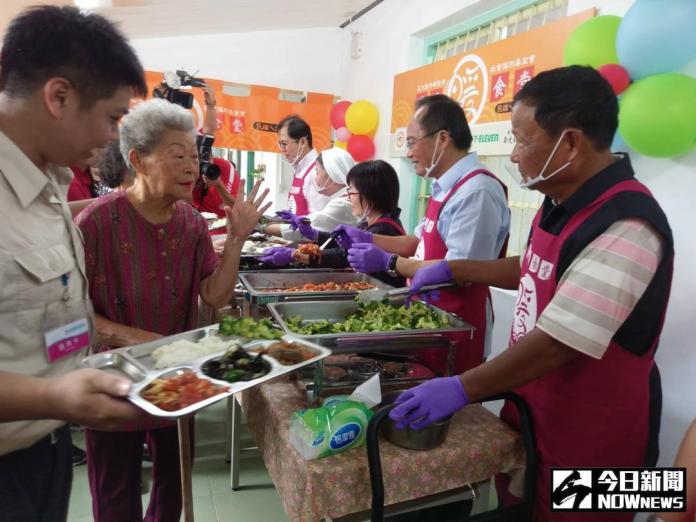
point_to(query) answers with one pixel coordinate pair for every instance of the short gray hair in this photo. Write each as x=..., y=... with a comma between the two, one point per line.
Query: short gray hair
x=143, y=127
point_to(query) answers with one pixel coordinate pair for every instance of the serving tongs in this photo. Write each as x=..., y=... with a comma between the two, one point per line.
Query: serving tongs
x=376, y=295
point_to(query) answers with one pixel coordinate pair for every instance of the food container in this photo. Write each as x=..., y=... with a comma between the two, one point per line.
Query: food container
x=424, y=439
x=136, y=364
x=261, y=288
x=355, y=342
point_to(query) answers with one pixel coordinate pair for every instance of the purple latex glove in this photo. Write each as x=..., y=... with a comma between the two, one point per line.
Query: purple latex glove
x=432, y=274
x=346, y=235
x=299, y=222
x=303, y=224
x=277, y=256
x=429, y=402
x=285, y=215
x=368, y=258
x=429, y=298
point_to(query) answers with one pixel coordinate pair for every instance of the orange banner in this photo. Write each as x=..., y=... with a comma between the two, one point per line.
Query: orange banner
x=248, y=122
x=484, y=80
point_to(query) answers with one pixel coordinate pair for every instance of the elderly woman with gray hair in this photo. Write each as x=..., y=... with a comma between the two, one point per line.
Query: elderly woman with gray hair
x=149, y=257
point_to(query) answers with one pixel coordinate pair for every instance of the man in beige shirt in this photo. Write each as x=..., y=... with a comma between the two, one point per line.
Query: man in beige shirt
x=66, y=78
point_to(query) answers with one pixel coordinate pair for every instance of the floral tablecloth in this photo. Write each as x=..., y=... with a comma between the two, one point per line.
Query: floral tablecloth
x=478, y=446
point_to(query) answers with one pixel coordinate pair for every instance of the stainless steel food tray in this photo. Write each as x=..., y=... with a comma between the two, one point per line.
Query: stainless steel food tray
x=339, y=310
x=258, y=287
x=135, y=363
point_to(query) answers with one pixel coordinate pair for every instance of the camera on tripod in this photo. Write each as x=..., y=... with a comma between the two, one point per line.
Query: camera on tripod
x=169, y=90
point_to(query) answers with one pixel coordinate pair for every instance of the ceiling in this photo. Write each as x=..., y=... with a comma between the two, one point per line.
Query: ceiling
x=160, y=18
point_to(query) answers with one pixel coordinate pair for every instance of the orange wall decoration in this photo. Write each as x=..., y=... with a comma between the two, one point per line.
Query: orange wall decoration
x=484, y=80
x=248, y=122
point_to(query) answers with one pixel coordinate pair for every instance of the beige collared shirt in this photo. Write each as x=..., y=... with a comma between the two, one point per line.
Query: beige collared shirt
x=38, y=245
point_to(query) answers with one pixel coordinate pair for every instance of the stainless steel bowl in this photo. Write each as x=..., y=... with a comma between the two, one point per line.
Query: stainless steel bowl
x=424, y=439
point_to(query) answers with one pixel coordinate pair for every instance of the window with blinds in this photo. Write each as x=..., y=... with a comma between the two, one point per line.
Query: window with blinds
x=517, y=22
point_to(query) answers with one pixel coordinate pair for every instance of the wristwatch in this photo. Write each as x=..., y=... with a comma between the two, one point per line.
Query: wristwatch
x=391, y=266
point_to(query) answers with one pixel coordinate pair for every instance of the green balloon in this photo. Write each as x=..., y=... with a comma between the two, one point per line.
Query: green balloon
x=593, y=42
x=657, y=115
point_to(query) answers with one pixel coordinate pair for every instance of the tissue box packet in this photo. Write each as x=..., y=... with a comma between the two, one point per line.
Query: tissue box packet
x=338, y=425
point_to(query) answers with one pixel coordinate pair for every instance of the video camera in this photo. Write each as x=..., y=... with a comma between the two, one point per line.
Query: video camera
x=169, y=90
x=170, y=87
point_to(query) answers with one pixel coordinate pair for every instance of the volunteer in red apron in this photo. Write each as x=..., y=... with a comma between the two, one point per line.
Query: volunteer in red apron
x=295, y=143
x=467, y=218
x=593, y=287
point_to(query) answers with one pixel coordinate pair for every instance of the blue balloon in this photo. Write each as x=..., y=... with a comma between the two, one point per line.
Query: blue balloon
x=656, y=37
x=618, y=144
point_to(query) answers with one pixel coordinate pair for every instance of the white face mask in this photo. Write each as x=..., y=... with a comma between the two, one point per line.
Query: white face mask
x=325, y=186
x=433, y=161
x=296, y=159
x=534, y=181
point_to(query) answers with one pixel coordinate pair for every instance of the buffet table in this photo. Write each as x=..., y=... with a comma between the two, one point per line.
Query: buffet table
x=478, y=446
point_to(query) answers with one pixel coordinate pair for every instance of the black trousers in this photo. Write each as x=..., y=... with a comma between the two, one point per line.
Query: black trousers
x=35, y=482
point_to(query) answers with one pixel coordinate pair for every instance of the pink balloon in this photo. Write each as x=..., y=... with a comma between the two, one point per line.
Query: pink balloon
x=338, y=114
x=362, y=148
x=616, y=75
x=343, y=134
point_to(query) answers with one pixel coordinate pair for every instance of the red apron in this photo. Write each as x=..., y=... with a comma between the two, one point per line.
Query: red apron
x=393, y=223
x=297, y=202
x=468, y=303
x=588, y=413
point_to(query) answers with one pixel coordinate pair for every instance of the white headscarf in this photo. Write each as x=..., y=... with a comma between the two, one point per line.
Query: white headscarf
x=337, y=162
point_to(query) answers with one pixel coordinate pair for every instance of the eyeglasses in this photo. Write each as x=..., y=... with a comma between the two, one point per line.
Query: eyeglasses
x=282, y=145
x=410, y=142
x=349, y=194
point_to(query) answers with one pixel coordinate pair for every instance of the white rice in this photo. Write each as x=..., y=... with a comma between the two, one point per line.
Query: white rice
x=183, y=351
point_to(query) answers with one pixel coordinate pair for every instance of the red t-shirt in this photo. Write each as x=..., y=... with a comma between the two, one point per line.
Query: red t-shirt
x=81, y=185
x=212, y=202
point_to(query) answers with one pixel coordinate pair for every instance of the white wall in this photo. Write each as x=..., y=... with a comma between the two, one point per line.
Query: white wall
x=390, y=46
x=304, y=60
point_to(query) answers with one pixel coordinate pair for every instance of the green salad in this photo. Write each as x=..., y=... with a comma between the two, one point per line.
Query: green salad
x=374, y=317
x=248, y=327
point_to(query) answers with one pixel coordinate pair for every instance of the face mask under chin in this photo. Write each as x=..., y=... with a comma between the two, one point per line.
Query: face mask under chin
x=434, y=162
x=538, y=179
x=296, y=159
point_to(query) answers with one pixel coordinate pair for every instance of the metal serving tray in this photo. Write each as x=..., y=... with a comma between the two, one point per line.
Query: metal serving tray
x=262, y=288
x=339, y=310
x=141, y=352
x=135, y=364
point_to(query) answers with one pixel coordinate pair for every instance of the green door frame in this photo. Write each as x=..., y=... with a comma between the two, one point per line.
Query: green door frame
x=251, y=165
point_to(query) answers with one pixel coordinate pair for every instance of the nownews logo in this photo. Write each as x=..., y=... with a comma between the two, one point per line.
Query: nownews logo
x=618, y=489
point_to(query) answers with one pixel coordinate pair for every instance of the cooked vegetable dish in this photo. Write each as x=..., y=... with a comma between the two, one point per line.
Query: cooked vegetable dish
x=350, y=286
x=177, y=392
x=248, y=327
x=289, y=353
x=236, y=365
x=309, y=249
x=374, y=317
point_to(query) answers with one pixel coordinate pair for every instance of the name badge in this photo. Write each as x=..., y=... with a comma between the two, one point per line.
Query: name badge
x=67, y=339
